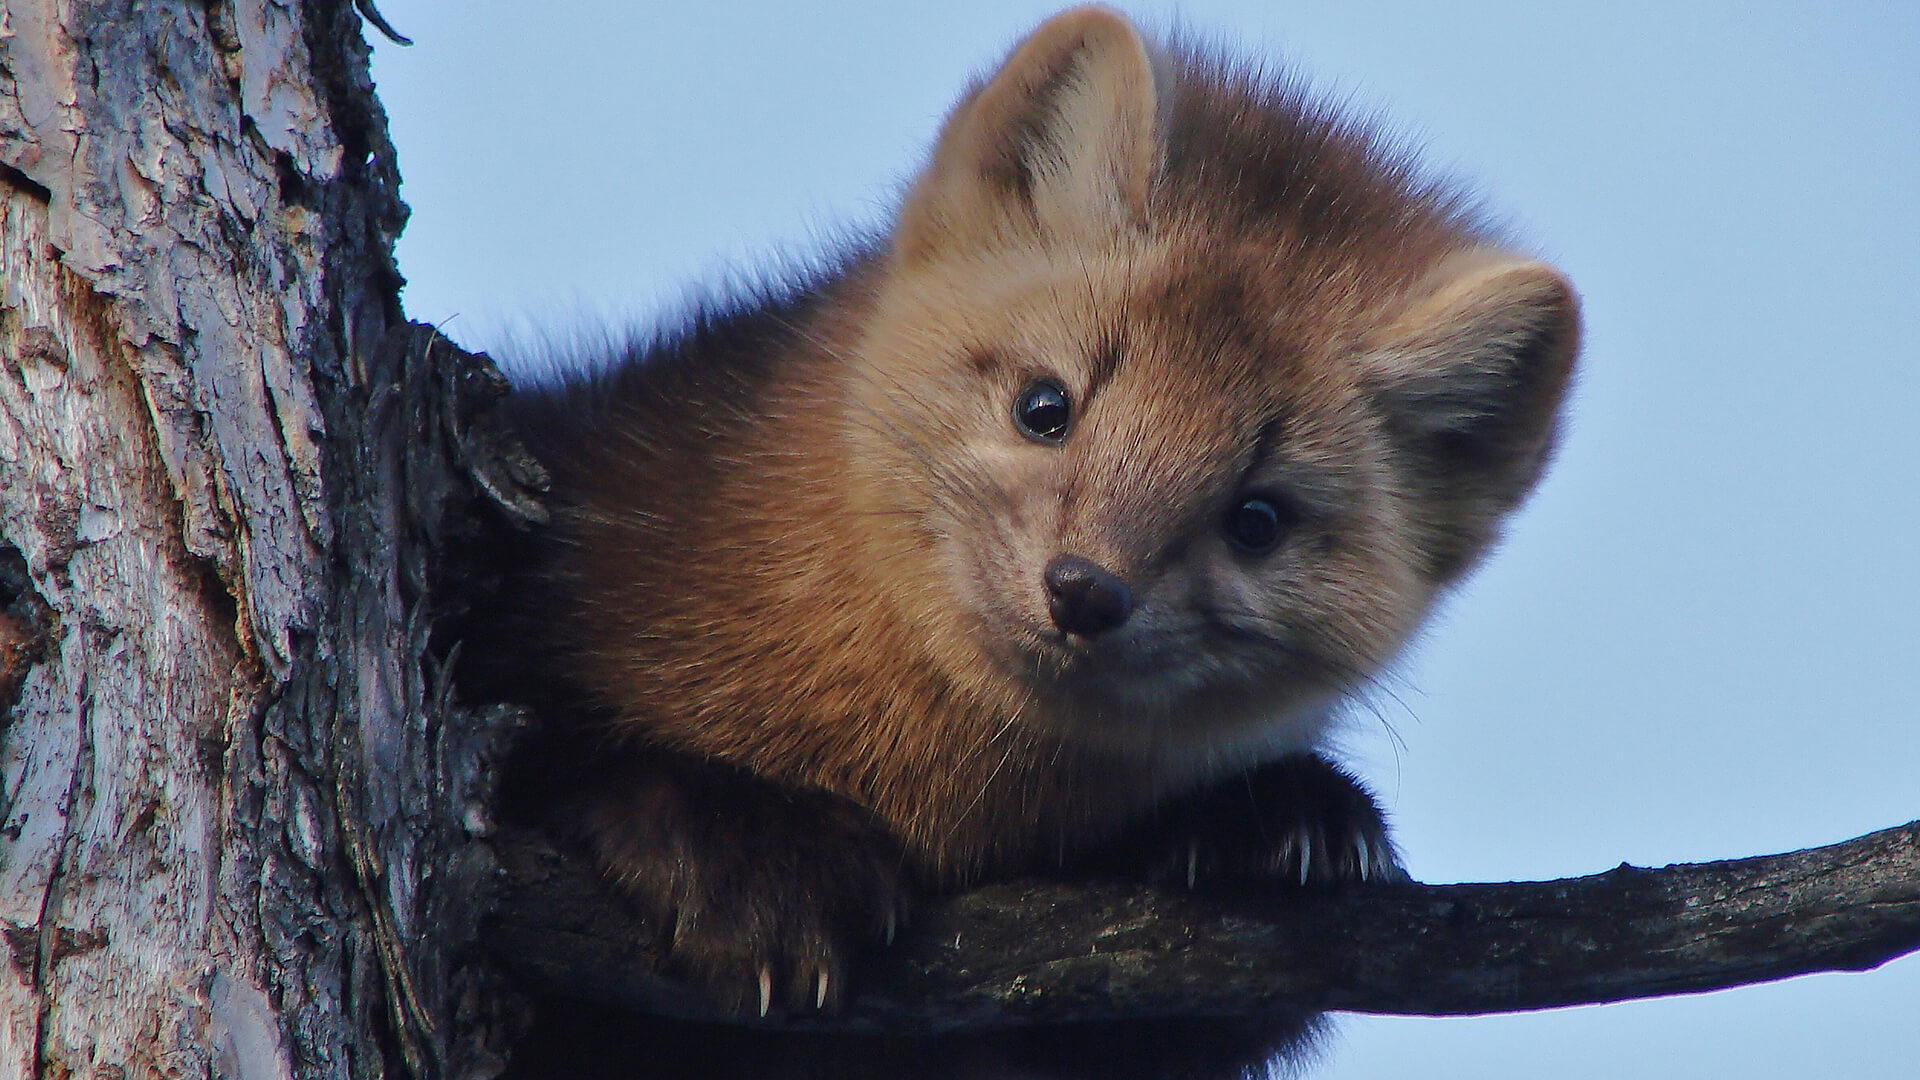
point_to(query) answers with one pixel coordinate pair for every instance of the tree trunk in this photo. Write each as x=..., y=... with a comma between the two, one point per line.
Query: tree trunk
x=238, y=830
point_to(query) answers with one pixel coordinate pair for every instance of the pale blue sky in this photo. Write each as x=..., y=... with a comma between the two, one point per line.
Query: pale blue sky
x=1703, y=637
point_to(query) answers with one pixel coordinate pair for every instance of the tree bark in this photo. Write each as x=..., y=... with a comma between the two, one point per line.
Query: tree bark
x=237, y=812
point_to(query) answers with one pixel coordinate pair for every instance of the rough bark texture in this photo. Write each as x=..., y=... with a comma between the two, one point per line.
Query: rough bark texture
x=236, y=812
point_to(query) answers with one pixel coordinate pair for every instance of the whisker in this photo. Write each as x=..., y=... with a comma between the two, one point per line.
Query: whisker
x=1363, y=687
x=1323, y=661
x=981, y=793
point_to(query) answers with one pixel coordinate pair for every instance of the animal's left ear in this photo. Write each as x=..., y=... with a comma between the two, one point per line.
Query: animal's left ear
x=1061, y=141
x=1470, y=381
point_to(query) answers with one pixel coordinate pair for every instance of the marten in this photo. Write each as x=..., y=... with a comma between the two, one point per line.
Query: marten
x=1047, y=530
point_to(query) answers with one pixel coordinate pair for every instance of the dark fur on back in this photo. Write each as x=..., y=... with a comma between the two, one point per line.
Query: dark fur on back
x=707, y=362
x=1258, y=147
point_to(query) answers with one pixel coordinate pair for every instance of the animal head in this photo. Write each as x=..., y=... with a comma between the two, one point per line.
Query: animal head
x=1187, y=396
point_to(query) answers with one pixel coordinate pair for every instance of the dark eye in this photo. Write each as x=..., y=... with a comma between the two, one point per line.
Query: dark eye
x=1255, y=525
x=1042, y=412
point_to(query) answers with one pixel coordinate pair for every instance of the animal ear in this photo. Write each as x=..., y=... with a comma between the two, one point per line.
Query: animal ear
x=1470, y=380
x=1062, y=140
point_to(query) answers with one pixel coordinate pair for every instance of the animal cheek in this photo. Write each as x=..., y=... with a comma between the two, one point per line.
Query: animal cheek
x=1370, y=607
x=1000, y=560
x=1173, y=597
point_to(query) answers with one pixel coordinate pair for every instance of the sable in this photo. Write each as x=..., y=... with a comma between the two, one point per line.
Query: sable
x=1043, y=534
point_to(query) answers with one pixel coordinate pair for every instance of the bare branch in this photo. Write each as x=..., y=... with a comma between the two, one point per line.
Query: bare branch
x=1048, y=952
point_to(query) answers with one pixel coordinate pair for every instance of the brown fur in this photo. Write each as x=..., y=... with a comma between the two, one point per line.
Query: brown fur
x=806, y=541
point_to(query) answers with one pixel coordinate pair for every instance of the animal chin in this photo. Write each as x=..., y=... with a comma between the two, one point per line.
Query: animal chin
x=1128, y=696
x=1117, y=676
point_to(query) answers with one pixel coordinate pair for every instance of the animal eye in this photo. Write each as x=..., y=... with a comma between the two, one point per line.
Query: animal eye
x=1043, y=412
x=1256, y=524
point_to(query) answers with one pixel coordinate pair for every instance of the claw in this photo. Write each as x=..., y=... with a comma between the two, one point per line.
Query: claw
x=820, y=989
x=1193, y=862
x=1306, y=857
x=1365, y=853
x=893, y=922
x=766, y=990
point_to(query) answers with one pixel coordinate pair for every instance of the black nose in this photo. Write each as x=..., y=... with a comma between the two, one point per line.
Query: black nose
x=1084, y=598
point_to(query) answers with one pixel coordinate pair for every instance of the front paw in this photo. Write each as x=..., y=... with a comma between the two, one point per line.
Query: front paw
x=1300, y=821
x=761, y=893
